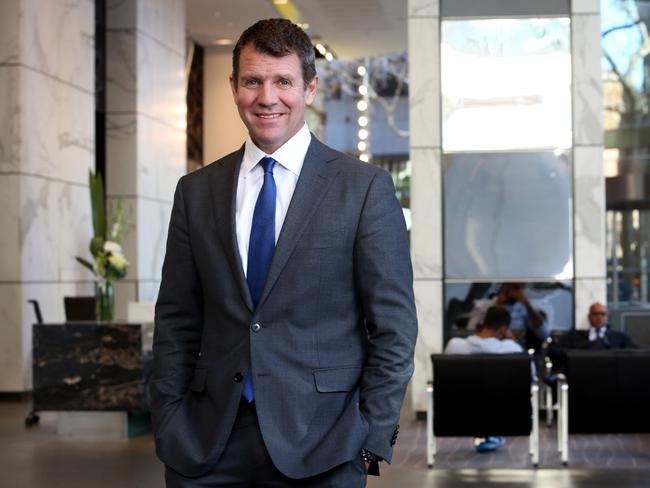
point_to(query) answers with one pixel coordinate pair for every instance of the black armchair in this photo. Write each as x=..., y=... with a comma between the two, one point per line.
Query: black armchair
x=607, y=392
x=482, y=395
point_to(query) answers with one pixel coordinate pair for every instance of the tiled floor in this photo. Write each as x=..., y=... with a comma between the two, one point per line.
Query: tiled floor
x=38, y=458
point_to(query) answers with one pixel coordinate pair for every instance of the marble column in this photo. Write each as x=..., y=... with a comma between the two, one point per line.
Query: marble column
x=426, y=191
x=589, y=209
x=145, y=130
x=47, y=144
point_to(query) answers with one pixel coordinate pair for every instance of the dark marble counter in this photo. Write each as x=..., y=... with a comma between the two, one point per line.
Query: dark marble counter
x=88, y=366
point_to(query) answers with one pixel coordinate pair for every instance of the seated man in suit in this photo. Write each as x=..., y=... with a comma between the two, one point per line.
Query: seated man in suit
x=493, y=336
x=599, y=336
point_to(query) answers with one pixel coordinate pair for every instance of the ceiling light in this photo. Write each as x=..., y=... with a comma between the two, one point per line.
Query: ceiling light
x=362, y=105
x=321, y=49
x=363, y=134
x=363, y=121
x=361, y=70
x=223, y=42
x=364, y=157
x=329, y=56
x=362, y=146
x=363, y=89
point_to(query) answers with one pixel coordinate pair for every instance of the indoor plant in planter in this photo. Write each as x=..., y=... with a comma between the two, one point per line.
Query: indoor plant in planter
x=109, y=263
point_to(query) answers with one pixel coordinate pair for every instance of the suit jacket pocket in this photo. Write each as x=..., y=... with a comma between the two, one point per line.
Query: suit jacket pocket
x=330, y=380
x=198, y=380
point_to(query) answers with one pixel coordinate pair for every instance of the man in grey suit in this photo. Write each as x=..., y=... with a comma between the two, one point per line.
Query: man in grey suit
x=285, y=323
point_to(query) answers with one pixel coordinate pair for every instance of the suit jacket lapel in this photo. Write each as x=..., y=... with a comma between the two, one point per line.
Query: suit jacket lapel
x=315, y=177
x=223, y=186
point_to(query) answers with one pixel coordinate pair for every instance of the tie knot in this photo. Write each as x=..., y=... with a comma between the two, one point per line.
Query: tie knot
x=267, y=164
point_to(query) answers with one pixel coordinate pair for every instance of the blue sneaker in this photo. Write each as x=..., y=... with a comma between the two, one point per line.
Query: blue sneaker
x=488, y=444
x=497, y=441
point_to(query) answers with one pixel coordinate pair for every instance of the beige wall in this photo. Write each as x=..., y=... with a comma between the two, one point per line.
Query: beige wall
x=223, y=131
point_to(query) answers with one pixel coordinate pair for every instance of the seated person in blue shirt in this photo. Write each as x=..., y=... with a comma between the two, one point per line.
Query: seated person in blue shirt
x=493, y=337
x=599, y=336
x=524, y=316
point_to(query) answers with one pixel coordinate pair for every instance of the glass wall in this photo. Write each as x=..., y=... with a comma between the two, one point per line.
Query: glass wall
x=507, y=164
x=626, y=94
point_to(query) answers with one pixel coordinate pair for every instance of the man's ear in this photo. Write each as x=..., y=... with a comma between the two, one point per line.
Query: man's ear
x=310, y=90
x=233, y=87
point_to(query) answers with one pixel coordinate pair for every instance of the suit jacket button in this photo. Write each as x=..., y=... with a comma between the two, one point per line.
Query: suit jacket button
x=239, y=377
x=256, y=327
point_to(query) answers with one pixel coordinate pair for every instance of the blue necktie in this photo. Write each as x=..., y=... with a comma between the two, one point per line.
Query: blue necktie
x=260, y=247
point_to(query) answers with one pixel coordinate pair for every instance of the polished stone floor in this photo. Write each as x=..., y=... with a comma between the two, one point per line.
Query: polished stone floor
x=38, y=458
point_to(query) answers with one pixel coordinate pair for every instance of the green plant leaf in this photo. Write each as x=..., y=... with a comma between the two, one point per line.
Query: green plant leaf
x=97, y=204
x=96, y=245
x=85, y=263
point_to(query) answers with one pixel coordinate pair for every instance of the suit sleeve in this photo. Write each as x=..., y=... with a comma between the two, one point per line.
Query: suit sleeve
x=178, y=321
x=384, y=281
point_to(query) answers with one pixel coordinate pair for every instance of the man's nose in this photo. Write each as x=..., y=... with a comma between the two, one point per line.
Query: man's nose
x=267, y=94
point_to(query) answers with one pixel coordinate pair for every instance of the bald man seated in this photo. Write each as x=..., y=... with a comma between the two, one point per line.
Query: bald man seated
x=599, y=336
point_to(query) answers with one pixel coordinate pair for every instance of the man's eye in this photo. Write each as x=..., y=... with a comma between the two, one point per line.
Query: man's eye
x=284, y=82
x=250, y=82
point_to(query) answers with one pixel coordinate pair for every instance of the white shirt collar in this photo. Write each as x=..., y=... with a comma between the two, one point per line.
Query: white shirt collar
x=595, y=333
x=290, y=155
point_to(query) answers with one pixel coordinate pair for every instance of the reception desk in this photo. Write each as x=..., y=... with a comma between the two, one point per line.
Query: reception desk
x=92, y=374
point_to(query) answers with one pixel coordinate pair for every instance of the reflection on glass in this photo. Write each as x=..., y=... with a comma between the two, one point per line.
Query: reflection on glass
x=553, y=299
x=508, y=215
x=628, y=250
x=506, y=84
x=626, y=98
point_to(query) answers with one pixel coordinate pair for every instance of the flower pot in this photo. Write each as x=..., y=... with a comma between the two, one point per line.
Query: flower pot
x=104, y=301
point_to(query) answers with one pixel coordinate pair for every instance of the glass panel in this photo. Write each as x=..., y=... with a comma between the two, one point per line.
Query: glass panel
x=508, y=215
x=628, y=250
x=506, y=84
x=626, y=98
x=553, y=299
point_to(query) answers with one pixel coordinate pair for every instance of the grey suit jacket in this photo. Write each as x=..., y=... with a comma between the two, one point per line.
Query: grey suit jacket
x=334, y=353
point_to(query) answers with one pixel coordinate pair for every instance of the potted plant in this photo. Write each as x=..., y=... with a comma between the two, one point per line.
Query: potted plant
x=109, y=263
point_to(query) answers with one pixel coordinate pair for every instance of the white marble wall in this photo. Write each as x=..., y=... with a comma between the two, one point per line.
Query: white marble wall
x=589, y=181
x=46, y=149
x=146, y=148
x=426, y=189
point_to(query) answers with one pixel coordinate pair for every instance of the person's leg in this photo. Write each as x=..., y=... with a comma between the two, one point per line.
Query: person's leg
x=245, y=463
x=235, y=466
x=347, y=475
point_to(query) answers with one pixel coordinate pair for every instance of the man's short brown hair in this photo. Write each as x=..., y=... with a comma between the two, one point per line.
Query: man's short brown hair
x=278, y=38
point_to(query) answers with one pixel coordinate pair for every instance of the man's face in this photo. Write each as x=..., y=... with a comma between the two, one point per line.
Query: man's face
x=597, y=315
x=271, y=97
x=510, y=293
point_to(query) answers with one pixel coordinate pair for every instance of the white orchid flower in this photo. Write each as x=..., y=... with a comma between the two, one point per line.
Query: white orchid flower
x=113, y=248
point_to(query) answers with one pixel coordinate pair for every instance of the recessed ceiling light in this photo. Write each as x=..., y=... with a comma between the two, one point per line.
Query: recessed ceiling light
x=223, y=42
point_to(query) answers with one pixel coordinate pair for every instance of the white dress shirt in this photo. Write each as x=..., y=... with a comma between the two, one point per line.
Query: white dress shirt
x=595, y=334
x=290, y=158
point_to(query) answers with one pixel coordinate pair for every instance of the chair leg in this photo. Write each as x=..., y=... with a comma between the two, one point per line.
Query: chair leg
x=548, y=397
x=534, y=436
x=565, y=424
x=431, y=440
